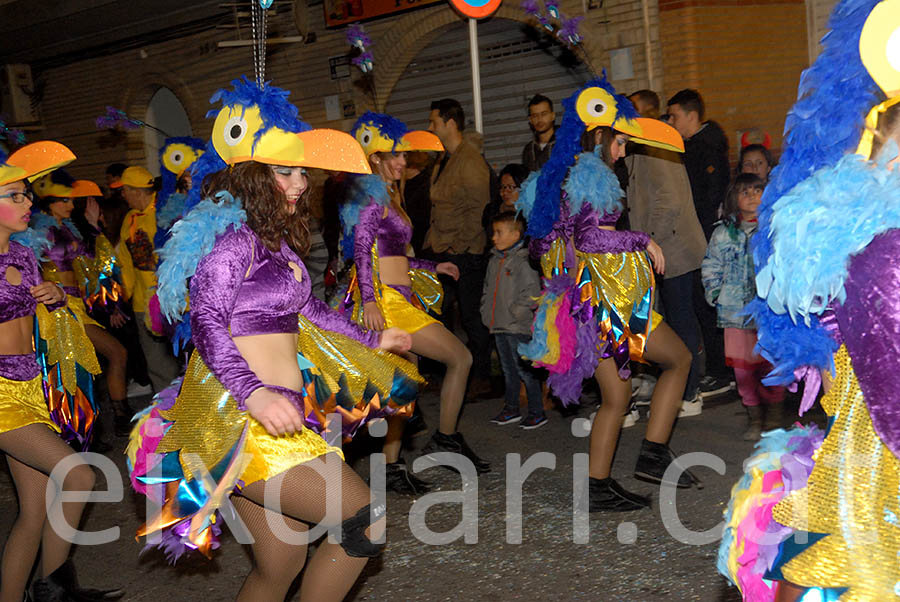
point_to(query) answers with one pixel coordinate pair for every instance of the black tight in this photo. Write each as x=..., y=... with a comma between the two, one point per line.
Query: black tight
x=330, y=572
x=32, y=453
x=664, y=348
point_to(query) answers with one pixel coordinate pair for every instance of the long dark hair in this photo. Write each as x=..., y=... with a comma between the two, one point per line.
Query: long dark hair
x=266, y=205
x=742, y=182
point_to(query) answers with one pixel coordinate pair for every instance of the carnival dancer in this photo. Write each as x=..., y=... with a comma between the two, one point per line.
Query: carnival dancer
x=392, y=289
x=270, y=361
x=70, y=263
x=595, y=316
x=816, y=515
x=28, y=435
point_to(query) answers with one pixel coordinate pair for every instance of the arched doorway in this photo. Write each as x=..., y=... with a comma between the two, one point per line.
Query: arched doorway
x=516, y=64
x=165, y=112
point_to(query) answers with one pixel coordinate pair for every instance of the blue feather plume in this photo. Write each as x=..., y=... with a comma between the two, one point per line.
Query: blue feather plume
x=592, y=181
x=192, y=238
x=363, y=190
x=825, y=123
x=34, y=239
x=389, y=127
x=209, y=163
x=527, y=194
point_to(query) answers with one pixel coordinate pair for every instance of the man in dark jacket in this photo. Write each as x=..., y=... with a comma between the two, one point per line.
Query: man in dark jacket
x=706, y=162
x=542, y=121
x=705, y=156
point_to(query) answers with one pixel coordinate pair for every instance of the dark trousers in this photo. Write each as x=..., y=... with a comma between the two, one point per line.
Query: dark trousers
x=677, y=298
x=516, y=371
x=713, y=336
x=466, y=292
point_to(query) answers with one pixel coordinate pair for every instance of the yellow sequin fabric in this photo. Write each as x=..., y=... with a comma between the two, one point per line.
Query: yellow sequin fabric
x=22, y=403
x=67, y=344
x=622, y=284
x=553, y=262
x=77, y=306
x=207, y=423
x=395, y=309
x=852, y=497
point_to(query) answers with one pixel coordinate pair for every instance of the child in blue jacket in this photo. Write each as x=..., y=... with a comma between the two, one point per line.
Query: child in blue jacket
x=729, y=283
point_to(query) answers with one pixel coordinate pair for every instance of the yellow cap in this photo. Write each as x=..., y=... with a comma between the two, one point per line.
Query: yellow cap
x=137, y=177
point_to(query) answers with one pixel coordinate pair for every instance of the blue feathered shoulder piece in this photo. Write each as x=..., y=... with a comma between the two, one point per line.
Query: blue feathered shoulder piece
x=363, y=190
x=527, y=194
x=390, y=127
x=592, y=181
x=545, y=211
x=825, y=123
x=192, y=239
x=209, y=163
x=34, y=239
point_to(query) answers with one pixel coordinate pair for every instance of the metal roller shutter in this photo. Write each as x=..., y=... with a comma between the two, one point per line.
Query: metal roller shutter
x=514, y=67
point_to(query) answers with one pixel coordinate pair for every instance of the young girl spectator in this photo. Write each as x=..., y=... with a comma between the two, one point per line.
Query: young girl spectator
x=756, y=159
x=728, y=281
x=511, y=178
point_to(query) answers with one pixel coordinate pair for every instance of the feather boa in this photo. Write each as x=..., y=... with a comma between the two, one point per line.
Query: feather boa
x=363, y=190
x=592, y=181
x=818, y=131
x=192, y=238
x=527, y=193
x=752, y=539
x=38, y=237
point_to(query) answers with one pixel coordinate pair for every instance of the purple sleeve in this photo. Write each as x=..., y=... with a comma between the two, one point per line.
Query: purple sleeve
x=366, y=231
x=590, y=238
x=416, y=263
x=319, y=313
x=32, y=277
x=869, y=320
x=214, y=288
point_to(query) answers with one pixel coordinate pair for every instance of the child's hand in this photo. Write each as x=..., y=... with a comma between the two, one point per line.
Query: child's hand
x=372, y=318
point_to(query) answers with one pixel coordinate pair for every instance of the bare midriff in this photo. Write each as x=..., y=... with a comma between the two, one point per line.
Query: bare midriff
x=64, y=278
x=16, y=336
x=393, y=270
x=273, y=358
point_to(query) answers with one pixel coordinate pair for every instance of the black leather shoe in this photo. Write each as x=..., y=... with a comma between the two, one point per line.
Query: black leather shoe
x=455, y=443
x=652, y=464
x=62, y=586
x=606, y=495
x=399, y=480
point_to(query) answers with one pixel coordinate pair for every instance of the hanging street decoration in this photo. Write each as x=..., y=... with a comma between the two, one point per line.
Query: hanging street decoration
x=554, y=21
x=476, y=9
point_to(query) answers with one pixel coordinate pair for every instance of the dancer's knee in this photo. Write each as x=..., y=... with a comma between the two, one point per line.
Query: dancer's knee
x=80, y=478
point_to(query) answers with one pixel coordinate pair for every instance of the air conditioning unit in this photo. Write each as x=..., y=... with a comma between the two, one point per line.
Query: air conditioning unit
x=16, y=88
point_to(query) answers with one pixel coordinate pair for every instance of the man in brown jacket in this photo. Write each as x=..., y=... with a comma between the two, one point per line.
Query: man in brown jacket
x=660, y=204
x=460, y=190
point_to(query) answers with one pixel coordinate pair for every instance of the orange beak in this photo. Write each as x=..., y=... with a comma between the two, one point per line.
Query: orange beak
x=420, y=140
x=333, y=150
x=651, y=132
x=40, y=158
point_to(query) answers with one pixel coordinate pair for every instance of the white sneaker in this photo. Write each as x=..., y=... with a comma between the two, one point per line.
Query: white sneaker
x=642, y=387
x=691, y=407
x=631, y=417
x=136, y=390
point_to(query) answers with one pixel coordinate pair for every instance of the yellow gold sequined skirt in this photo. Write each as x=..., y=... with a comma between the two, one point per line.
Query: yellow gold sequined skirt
x=207, y=423
x=853, y=497
x=22, y=403
x=400, y=313
x=76, y=304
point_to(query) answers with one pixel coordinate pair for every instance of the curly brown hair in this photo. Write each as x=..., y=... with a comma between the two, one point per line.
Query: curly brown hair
x=266, y=206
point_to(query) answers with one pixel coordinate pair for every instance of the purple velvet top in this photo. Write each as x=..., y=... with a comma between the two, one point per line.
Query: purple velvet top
x=563, y=228
x=16, y=302
x=242, y=288
x=66, y=248
x=393, y=233
x=590, y=238
x=869, y=320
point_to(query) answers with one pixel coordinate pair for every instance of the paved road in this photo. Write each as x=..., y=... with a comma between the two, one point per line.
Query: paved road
x=628, y=556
